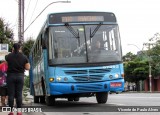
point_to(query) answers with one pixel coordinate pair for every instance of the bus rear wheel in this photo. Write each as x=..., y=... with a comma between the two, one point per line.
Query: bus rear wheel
x=36, y=99
x=102, y=97
x=50, y=100
x=42, y=99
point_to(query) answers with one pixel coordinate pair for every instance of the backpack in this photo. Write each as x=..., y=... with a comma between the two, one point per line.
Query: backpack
x=2, y=79
x=3, y=70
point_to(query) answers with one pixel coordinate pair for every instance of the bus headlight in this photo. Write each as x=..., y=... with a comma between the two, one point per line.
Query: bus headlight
x=116, y=75
x=58, y=78
x=51, y=79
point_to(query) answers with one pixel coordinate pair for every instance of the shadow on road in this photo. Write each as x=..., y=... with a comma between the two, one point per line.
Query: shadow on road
x=67, y=106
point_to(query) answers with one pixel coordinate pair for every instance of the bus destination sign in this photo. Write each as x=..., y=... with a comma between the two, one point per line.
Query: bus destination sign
x=82, y=18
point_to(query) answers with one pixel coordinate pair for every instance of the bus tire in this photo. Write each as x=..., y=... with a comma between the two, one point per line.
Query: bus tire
x=102, y=97
x=43, y=86
x=36, y=99
x=50, y=100
x=42, y=99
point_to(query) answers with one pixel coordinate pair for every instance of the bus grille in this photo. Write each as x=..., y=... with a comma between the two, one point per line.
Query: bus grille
x=91, y=71
x=89, y=87
x=88, y=78
x=75, y=72
x=88, y=75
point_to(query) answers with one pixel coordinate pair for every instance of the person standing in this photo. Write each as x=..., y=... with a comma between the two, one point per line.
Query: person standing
x=17, y=64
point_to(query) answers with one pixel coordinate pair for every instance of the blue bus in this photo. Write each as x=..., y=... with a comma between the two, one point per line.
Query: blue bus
x=76, y=54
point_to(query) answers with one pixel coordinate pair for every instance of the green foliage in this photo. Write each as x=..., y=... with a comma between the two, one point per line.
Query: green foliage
x=2, y=32
x=6, y=34
x=129, y=57
x=27, y=46
x=155, y=56
x=136, y=67
x=136, y=70
x=26, y=82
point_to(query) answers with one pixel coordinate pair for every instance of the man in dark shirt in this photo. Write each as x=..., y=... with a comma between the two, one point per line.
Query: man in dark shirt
x=17, y=63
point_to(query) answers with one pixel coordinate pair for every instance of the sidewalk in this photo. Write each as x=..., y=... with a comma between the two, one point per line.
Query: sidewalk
x=28, y=102
x=6, y=113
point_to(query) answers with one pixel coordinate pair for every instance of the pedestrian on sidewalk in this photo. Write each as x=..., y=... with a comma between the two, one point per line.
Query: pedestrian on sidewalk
x=3, y=84
x=17, y=63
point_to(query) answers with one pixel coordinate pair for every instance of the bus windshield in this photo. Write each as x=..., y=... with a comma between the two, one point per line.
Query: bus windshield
x=84, y=44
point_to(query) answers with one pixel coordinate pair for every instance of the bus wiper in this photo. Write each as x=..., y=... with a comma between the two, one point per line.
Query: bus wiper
x=76, y=35
x=95, y=30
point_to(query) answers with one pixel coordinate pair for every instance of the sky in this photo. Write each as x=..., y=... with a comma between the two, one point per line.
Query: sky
x=138, y=20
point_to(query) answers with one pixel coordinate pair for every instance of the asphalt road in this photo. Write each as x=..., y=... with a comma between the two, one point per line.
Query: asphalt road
x=121, y=104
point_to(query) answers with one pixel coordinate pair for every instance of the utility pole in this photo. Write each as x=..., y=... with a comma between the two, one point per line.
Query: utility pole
x=21, y=21
x=150, y=67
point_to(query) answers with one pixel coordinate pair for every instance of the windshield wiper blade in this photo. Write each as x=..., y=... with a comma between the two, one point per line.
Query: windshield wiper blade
x=76, y=35
x=95, y=30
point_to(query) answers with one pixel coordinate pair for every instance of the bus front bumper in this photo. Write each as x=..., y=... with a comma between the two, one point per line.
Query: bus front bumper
x=72, y=88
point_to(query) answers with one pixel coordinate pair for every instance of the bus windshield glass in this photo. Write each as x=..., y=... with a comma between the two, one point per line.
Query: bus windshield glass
x=72, y=44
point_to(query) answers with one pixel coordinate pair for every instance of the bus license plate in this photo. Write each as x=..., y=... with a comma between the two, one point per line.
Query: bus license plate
x=115, y=84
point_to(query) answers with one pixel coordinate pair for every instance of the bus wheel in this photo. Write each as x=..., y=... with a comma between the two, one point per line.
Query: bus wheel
x=76, y=99
x=50, y=100
x=102, y=97
x=36, y=99
x=42, y=99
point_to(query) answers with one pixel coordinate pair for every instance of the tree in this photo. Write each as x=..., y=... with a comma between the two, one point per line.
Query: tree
x=136, y=71
x=6, y=34
x=27, y=46
x=26, y=82
x=129, y=57
x=155, y=56
x=1, y=30
x=137, y=68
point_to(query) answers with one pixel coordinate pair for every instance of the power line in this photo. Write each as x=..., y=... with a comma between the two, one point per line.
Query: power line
x=27, y=10
x=43, y=11
x=33, y=10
